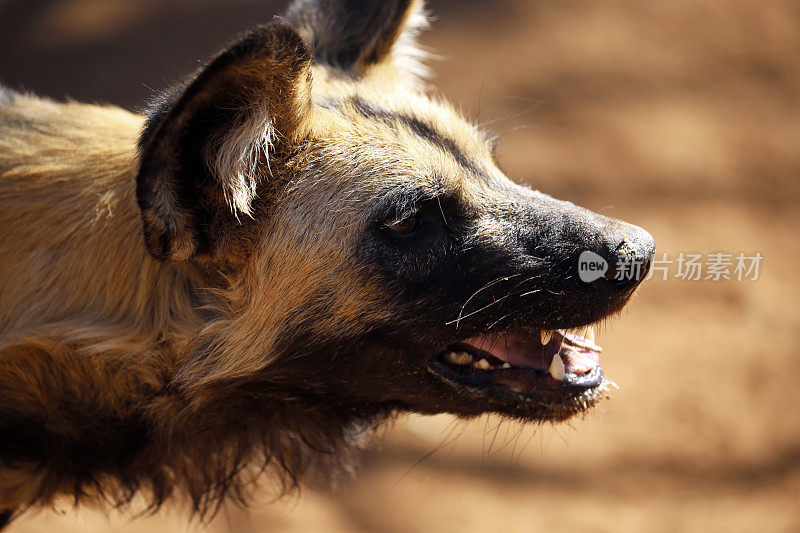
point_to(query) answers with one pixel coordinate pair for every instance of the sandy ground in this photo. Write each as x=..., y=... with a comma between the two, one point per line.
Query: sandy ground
x=682, y=117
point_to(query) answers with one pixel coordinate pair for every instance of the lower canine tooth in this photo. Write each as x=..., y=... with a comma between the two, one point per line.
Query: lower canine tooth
x=590, y=334
x=557, y=368
x=458, y=358
x=483, y=364
x=546, y=336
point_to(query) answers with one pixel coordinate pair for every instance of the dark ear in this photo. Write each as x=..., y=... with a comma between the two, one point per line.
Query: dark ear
x=203, y=154
x=354, y=35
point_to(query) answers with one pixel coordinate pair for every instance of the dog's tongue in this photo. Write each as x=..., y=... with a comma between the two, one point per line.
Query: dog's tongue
x=579, y=361
x=578, y=353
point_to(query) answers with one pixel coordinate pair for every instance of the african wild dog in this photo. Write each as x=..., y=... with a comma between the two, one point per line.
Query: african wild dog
x=296, y=244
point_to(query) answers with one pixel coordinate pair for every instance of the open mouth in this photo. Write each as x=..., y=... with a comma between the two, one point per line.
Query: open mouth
x=544, y=365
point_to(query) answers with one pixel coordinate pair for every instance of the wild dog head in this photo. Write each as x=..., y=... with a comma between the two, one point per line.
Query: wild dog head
x=367, y=248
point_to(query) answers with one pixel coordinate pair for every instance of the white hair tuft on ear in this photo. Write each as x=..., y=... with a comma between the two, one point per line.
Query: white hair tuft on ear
x=234, y=158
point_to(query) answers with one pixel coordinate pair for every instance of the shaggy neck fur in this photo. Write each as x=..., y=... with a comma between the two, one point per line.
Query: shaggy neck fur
x=93, y=332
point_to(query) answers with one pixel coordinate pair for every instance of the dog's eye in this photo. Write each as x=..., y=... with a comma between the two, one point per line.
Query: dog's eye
x=405, y=225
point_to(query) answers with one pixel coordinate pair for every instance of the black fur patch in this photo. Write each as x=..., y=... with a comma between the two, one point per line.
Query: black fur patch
x=426, y=131
x=29, y=440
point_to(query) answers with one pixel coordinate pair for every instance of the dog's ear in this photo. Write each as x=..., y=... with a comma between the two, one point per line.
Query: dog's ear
x=204, y=153
x=354, y=35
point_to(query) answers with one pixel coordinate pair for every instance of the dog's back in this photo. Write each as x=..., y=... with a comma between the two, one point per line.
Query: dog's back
x=66, y=208
x=78, y=311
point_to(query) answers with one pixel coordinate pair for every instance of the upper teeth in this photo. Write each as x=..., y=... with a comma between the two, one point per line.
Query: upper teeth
x=458, y=358
x=557, y=368
x=580, y=338
x=546, y=336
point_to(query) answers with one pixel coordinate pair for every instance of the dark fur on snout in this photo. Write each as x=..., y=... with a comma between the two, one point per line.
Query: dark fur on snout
x=262, y=270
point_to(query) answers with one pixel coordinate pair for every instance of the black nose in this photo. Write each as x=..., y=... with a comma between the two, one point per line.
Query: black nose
x=629, y=251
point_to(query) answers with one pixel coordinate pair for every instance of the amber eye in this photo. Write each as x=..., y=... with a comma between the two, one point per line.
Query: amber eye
x=406, y=225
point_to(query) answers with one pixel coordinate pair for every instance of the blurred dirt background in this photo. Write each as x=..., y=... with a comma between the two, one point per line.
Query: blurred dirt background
x=682, y=117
